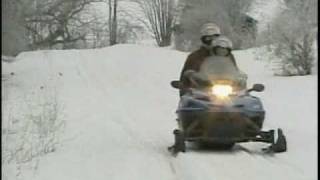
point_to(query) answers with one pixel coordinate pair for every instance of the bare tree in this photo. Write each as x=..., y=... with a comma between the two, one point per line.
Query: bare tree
x=14, y=36
x=98, y=35
x=160, y=16
x=56, y=22
x=113, y=22
x=292, y=35
x=229, y=15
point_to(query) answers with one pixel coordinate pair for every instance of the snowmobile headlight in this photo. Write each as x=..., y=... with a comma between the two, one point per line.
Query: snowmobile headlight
x=221, y=91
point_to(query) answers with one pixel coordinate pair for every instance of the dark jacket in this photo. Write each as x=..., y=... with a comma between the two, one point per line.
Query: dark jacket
x=194, y=61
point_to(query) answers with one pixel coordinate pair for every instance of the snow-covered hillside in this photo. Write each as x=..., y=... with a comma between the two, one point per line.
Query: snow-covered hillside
x=119, y=113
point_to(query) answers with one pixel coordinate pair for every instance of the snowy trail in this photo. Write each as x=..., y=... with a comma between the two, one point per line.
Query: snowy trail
x=120, y=115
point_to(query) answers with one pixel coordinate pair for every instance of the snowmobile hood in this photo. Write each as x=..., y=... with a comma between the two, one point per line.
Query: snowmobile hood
x=245, y=104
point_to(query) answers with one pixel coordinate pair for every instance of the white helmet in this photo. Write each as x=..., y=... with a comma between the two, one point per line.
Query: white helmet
x=210, y=29
x=222, y=41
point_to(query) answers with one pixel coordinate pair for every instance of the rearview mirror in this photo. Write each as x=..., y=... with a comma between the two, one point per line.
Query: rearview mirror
x=176, y=84
x=257, y=88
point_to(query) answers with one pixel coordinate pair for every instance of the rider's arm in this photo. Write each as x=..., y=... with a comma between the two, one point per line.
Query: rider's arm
x=233, y=60
x=187, y=65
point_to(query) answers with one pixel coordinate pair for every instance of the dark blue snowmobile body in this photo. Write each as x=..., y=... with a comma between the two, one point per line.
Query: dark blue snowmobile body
x=200, y=118
x=208, y=115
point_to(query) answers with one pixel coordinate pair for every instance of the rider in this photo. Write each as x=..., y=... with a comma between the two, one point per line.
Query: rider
x=209, y=32
x=212, y=44
x=222, y=46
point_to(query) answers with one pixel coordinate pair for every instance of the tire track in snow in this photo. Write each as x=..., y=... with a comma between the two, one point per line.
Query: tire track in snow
x=139, y=140
x=100, y=84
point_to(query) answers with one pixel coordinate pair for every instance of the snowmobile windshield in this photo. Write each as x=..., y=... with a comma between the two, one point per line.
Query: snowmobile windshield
x=218, y=67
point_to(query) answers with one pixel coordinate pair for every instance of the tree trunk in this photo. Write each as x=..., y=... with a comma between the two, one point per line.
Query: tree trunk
x=160, y=14
x=113, y=23
x=13, y=30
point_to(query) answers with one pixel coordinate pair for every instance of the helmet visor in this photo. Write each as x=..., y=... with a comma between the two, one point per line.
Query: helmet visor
x=211, y=37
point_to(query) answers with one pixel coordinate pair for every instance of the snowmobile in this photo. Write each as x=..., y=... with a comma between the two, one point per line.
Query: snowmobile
x=220, y=111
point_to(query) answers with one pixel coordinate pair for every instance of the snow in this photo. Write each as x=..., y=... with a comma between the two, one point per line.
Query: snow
x=120, y=112
x=265, y=11
x=7, y=59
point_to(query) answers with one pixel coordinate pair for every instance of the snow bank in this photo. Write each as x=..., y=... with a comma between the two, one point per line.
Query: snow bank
x=7, y=59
